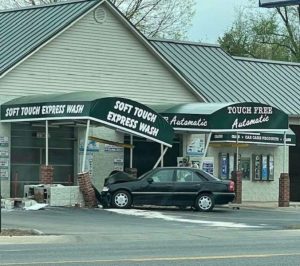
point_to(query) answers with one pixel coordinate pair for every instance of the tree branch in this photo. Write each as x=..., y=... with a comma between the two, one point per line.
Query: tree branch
x=148, y=12
x=279, y=44
x=288, y=27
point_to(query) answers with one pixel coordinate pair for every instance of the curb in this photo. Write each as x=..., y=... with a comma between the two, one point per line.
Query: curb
x=292, y=205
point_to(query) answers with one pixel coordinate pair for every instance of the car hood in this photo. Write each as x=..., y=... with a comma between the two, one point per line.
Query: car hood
x=119, y=177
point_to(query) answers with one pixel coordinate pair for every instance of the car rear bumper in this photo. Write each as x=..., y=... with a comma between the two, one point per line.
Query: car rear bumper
x=223, y=198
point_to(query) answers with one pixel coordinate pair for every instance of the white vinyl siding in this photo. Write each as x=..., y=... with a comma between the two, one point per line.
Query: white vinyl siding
x=97, y=56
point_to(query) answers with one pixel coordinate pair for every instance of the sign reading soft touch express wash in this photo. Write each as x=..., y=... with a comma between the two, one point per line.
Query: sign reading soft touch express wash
x=115, y=112
x=38, y=110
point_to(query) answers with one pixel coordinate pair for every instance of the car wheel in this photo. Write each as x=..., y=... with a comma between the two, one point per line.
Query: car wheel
x=205, y=202
x=121, y=199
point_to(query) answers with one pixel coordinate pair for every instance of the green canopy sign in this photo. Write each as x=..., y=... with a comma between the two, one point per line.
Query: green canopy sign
x=218, y=117
x=248, y=116
x=115, y=112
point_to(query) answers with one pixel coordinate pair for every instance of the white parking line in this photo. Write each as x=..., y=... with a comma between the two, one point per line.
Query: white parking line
x=159, y=215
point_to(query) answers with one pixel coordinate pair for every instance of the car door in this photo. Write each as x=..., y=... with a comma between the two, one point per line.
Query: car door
x=186, y=186
x=157, y=188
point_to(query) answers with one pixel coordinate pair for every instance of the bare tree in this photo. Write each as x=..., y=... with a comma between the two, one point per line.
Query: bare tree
x=271, y=34
x=155, y=18
x=159, y=18
x=290, y=17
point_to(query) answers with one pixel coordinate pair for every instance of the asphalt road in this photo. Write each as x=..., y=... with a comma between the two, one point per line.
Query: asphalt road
x=153, y=237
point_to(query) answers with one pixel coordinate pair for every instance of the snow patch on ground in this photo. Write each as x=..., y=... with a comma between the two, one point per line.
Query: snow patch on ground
x=159, y=215
x=36, y=207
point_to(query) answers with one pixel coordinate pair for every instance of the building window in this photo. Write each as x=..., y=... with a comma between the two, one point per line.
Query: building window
x=263, y=167
x=244, y=166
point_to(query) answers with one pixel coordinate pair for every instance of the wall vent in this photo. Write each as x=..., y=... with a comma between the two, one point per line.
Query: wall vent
x=100, y=15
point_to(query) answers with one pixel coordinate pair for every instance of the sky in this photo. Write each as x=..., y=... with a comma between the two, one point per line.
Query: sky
x=213, y=18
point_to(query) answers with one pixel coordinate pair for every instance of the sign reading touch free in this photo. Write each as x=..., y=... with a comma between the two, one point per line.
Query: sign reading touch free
x=249, y=116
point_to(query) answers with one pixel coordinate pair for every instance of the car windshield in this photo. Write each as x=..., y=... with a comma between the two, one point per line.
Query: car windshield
x=143, y=175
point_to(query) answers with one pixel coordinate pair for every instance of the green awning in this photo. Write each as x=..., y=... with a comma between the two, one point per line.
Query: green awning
x=224, y=117
x=115, y=112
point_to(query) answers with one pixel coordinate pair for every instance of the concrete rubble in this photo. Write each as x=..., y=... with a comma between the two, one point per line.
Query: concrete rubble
x=40, y=196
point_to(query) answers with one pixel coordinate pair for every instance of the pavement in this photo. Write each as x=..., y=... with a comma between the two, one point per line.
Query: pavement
x=40, y=238
x=259, y=204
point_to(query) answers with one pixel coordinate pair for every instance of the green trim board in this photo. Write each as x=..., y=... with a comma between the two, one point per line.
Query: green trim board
x=124, y=114
x=256, y=138
x=224, y=117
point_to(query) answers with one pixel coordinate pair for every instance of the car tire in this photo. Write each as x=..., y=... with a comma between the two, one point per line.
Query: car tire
x=121, y=199
x=205, y=202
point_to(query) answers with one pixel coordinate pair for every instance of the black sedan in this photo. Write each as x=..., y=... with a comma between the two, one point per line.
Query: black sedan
x=167, y=186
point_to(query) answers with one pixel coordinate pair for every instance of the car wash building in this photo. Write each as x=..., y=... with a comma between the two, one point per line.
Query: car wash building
x=51, y=82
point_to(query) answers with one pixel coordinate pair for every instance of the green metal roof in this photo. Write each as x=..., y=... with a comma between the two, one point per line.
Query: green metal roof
x=220, y=77
x=24, y=30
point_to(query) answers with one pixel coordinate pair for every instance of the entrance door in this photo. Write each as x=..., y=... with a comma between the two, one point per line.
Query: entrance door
x=146, y=154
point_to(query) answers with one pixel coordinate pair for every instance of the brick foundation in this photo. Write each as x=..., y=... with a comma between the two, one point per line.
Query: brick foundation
x=87, y=190
x=284, y=190
x=46, y=174
x=236, y=176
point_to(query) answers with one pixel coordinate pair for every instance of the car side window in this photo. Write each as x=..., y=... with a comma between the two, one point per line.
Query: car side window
x=200, y=177
x=185, y=175
x=163, y=176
